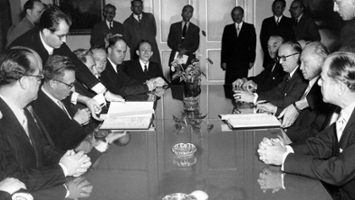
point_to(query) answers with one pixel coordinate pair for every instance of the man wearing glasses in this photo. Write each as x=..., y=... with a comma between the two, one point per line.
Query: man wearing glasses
x=288, y=91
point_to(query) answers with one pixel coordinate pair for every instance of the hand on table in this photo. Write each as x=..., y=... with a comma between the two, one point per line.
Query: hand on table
x=270, y=178
x=76, y=163
x=266, y=107
x=109, y=96
x=271, y=151
x=239, y=82
x=11, y=185
x=289, y=116
x=94, y=108
x=82, y=116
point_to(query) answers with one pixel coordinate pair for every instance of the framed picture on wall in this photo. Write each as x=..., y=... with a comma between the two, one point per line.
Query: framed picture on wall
x=84, y=13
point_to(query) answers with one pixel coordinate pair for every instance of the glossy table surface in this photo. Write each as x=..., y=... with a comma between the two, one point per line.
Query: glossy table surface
x=225, y=165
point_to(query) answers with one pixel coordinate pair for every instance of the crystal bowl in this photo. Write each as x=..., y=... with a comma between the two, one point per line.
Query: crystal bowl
x=184, y=149
x=179, y=196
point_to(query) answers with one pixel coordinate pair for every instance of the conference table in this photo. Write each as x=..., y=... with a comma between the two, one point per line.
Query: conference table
x=225, y=165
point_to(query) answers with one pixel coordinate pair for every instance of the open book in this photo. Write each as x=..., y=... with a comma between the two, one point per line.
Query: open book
x=258, y=120
x=129, y=116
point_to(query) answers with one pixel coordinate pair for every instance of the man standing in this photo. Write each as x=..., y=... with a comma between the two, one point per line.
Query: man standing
x=238, y=49
x=33, y=10
x=184, y=37
x=275, y=25
x=102, y=29
x=304, y=26
x=49, y=39
x=329, y=157
x=24, y=153
x=346, y=10
x=141, y=26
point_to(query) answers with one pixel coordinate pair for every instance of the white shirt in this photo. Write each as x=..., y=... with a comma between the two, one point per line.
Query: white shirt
x=144, y=64
x=47, y=47
x=279, y=18
x=136, y=17
x=109, y=23
x=240, y=25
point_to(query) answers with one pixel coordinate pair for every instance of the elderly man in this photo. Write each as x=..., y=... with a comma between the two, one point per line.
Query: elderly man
x=271, y=76
x=143, y=69
x=116, y=80
x=288, y=91
x=24, y=153
x=304, y=26
x=328, y=156
x=346, y=10
x=100, y=56
x=49, y=39
x=278, y=24
x=108, y=26
x=310, y=112
x=33, y=10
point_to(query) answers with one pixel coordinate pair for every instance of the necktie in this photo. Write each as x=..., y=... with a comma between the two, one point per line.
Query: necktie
x=340, y=125
x=184, y=29
x=238, y=29
x=296, y=22
x=278, y=21
x=287, y=78
x=61, y=105
x=111, y=25
x=145, y=70
x=139, y=18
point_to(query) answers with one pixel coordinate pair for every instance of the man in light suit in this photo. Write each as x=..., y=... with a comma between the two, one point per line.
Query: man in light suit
x=275, y=25
x=288, y=91
x=108, y=26
x=143, y=69
x=24, y=152
x=304, y=26
x=184, y=37
x=328, y=157
x=238, y=49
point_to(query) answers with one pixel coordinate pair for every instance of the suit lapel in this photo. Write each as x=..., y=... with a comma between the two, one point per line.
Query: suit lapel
x=348, y=132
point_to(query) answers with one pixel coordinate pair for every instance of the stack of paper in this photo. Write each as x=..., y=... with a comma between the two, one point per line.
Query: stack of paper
x=258, y=120
x=129, y=116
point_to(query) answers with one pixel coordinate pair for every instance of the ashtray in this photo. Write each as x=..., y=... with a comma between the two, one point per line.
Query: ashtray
x=184, y=161
x=184, y=149
x=179, y=196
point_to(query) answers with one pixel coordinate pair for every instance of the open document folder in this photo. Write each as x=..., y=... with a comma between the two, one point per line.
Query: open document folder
x=258, y=120
x=129, y=116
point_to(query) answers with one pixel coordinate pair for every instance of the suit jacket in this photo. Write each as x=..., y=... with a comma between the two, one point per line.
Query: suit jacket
x=325, y=158
x=312, y=119
x=36, y=164
x=134, y=70
x=100, y=30
x=135, y=32
x=191, y=41
x=31, y=39
x=19, y=29
x=66, y=133
x=269, y=78
x=347, y=36
x=120, y=83
x=286, y=92
x=269, y=28
x=238, y=51
x=307, y=29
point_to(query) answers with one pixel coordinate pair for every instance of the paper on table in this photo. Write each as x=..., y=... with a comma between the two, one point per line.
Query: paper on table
x=183, y=59
x=251, y=120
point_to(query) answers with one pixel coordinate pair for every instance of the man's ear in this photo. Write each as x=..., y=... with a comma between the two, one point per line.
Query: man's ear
x=137, y=52
x=46, y=32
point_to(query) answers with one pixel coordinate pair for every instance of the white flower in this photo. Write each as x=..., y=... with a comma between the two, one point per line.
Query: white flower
x=172, y=68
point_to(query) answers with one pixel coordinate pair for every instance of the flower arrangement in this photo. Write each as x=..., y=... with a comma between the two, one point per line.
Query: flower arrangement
x=191, y=74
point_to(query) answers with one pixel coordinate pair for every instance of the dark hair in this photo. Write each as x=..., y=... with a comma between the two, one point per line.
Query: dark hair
x=342, y=68
x=14, y=64
x=296, y=47
x=98, y=46
x=56, y=66
x=114, y=39
x=237, y=8
x=141, y=42
x=281, y=1
x=299, y=1
x=82, y=54
x=109, y=6
x=134, y=1
x=29, y=4
x=51, y=18
x=187, y=6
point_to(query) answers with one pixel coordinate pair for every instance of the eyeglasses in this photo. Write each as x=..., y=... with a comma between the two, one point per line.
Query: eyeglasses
x=38, y=76
x=69, y=85
x=60, y=37
x=284, y=58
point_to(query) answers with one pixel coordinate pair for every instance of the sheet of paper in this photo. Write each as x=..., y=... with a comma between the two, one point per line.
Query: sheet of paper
x=126, y=123
x=183, y=59
x=130, y=109
x=251, y=120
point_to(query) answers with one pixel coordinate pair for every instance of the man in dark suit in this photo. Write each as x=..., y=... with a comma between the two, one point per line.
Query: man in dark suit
x=143, y=69
x=288, y=91
x=345, y=9
x=271, y=76
x=304, y=26
x=329, y=156
x=238, y=49
x=24, y=152
x=50, y=38
x=184, y=37
x=114, y=77
x=306, y=117
x=275, y=25
x=108, y=26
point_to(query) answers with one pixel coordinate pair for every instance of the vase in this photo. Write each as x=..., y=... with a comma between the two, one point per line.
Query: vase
x=192, y=90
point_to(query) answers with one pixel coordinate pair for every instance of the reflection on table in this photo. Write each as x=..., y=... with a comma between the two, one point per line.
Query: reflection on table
x=225, y=165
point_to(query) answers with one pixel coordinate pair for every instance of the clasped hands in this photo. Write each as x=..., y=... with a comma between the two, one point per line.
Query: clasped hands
x=270, y=178
x=271, y=151
x=245, y=84
x=76, y=163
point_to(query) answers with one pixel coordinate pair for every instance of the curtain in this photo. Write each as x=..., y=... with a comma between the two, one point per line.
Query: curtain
x=5, y=22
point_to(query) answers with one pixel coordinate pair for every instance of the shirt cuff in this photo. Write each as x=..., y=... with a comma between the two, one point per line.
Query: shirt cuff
x=282, y=181
x=65, y=170
x=102, y=147
x=74, y=98
x=100, y=99
x=68, y=192
x=255, y=98
x=98, y=88
x=288, y=151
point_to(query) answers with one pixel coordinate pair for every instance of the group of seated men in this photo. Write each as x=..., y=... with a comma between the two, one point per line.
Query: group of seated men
x=50, y=98
x=314, y=100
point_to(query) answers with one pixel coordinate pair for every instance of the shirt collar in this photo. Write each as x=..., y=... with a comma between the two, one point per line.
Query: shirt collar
x=48, y=48
x=113, y=64
x=293, y=72
x=313, y=81
x=240, y=24
x=51, y=97
x=136, y=16
x=278, y=17
x=143, y=64
x=346, y=112
x=299, y=18
x=108, y=23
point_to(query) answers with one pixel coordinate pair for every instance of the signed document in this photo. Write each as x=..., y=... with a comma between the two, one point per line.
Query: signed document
x=258, y=120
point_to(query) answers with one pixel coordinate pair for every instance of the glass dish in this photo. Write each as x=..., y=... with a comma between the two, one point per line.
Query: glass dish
x=184, y=149
x=179, y=196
